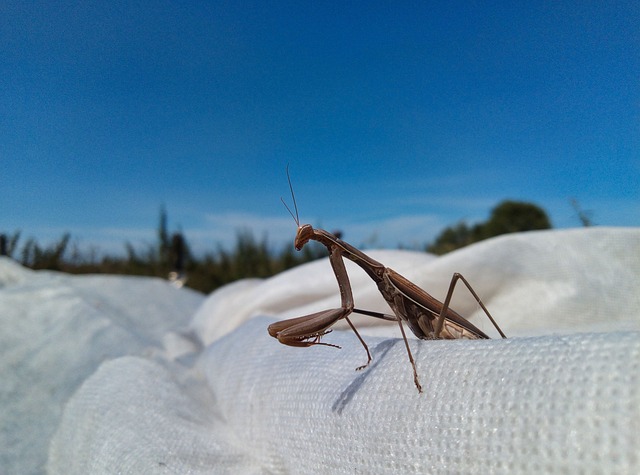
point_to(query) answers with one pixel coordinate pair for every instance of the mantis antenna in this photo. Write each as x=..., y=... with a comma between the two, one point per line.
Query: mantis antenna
x=295, y=205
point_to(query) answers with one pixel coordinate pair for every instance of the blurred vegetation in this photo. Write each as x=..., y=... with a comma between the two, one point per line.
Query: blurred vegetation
x=507, y=217
x=583, y=216
x=249, y=257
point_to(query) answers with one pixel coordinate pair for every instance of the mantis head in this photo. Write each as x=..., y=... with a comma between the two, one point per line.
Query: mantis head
x=304, y=234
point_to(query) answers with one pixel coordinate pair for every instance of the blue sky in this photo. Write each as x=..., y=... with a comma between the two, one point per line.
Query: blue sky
x=396, y=118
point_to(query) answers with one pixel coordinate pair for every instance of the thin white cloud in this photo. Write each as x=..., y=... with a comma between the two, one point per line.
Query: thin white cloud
x=222, y=229
x=408, y=230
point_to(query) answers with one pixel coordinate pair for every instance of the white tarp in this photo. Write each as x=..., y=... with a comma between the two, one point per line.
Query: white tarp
x=208, y=391
x=56, y=331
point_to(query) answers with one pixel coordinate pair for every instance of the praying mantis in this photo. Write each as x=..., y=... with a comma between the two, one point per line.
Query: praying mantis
x=427, y=317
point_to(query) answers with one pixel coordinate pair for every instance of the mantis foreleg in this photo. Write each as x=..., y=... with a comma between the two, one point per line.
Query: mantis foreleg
x=307, y=330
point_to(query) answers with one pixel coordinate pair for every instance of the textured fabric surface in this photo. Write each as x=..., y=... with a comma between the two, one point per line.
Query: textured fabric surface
x=56, y=330
x=560, y=404
x=182, y=390
x=133, y=416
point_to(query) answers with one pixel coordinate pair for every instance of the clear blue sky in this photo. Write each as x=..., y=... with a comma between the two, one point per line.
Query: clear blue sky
x=397, y=118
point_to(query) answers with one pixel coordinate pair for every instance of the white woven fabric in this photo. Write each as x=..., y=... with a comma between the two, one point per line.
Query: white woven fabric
x=563, y=404
x=562, y=396
x=56, y=330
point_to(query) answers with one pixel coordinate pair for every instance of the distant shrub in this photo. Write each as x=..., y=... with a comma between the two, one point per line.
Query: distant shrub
x=506, y=217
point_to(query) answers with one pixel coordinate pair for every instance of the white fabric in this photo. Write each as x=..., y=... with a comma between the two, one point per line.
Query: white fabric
x=562, y=396
x=56, y=330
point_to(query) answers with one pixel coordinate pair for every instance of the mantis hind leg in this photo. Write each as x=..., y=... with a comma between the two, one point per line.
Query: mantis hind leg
x=385, y=316
x=454, y=279
x=413, y=363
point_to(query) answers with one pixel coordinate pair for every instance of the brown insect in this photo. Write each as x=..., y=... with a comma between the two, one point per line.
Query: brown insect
x=427, y=317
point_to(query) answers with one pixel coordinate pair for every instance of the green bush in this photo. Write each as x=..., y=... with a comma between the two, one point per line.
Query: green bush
x=507, y=217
